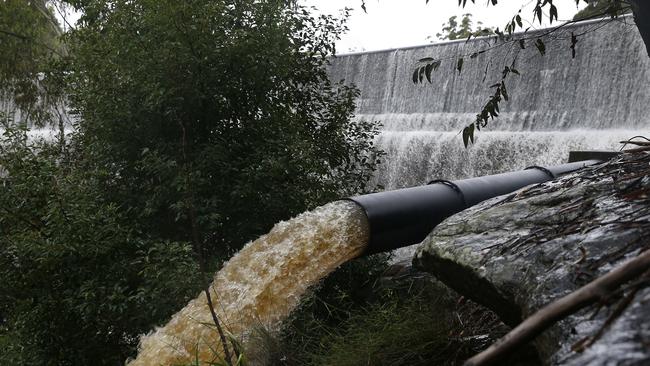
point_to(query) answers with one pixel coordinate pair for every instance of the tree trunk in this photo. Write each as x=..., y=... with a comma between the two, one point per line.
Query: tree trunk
x=641, y=11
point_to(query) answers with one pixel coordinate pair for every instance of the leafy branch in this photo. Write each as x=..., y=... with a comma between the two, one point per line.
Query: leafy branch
x=490, y=110
x=30, y=39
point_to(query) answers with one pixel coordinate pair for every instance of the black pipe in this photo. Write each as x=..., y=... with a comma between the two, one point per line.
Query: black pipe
x=406, y=216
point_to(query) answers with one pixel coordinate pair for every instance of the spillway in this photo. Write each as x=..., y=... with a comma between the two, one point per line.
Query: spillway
x=557, y=104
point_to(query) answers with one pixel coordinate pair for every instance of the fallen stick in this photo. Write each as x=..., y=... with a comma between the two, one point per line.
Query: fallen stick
x=592, y=292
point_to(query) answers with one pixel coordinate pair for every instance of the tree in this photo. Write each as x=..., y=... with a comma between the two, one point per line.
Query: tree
x=453, y=30
x=29, y=40
x=216, y=117
x=201, y=124
x=597, y=8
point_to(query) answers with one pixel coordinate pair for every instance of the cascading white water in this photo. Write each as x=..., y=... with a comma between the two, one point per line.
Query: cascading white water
x=417, y=157
x=557, y=104
x=260, y=285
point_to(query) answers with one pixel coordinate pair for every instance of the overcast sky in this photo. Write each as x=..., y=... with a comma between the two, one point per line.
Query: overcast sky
x=400, y=23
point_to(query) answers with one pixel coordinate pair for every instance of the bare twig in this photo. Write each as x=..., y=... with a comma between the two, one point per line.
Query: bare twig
x=593, y=292
x=198, y=242
x=630, y=141
x=222, y=335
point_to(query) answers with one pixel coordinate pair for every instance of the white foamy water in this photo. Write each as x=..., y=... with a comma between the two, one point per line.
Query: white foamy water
x=261, y=284
x=417, y=157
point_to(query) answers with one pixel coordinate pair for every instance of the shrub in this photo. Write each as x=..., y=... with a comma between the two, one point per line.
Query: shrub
x=78, y=282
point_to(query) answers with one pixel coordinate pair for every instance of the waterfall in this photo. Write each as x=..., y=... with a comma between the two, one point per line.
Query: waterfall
x=417, y=157
x=557, y=104
x=261, y=284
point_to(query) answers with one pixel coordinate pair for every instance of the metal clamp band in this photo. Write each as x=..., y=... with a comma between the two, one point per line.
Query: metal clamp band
x=541, y=168
x=453, y=186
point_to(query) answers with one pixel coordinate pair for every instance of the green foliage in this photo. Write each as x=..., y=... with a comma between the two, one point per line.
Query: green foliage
x=78, y=282
x=399, y=322
x=393, y=333
x=29, y=39
x=463, y=29
x=201, y=124
x=602, y=8
x=216, y=118
x=331, y=304
x=491, y=108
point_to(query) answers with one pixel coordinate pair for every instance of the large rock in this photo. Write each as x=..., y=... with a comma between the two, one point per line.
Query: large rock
x=516, y=253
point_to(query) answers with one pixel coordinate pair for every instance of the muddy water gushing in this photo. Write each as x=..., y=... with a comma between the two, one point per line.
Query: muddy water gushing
x=261, y=284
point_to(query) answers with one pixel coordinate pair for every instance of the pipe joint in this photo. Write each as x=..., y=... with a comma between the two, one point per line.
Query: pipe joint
x=406, y=216
x=541, y=168
x=453, y=186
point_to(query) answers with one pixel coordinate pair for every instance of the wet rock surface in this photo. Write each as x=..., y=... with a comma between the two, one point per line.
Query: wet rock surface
x=517, y=253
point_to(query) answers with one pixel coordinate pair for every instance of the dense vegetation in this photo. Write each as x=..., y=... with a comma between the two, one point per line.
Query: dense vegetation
x=453, y=29
x=600, y=8
x=198, y=125
x=369, y=314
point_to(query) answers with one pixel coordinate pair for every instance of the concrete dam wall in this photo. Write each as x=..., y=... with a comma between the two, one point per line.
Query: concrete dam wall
x=557, y=103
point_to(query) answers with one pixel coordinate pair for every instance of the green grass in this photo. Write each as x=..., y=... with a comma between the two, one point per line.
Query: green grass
x=419, y=331
x=414, y=322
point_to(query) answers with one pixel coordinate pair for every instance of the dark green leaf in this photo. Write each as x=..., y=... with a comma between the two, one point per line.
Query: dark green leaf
x=541, y=47
x=553, y=13
x=427, y=72
x=574, y=41
x=466, y=132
